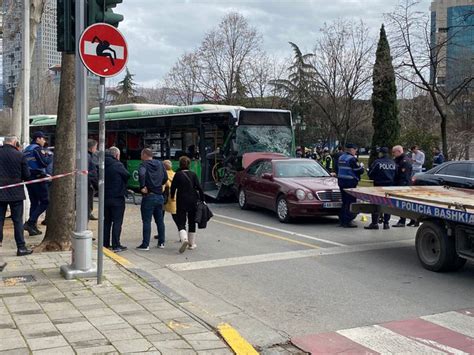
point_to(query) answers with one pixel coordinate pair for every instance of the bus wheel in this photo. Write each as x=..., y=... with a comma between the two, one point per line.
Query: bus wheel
x=243, y=200
x=283, y=212
x=436, y=250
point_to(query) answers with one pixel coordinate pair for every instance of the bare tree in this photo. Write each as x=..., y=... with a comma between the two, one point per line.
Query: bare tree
x=45, y=97
x=257, y=79
x=342, y=75
x=225, y=53
x=422, y=61
x=36, y=13
x=183, y=78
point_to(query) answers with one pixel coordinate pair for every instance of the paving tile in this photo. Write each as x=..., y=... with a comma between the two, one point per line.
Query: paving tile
x=64, y=314
x=46, y=343
x=31, y=330
x=98, y=312
x=202, y=336
x=108, y=349
x=171, y=344
x=83, y=335
x=107, y=320
x=139, y=318
x=133, y=345
x=121, y=334
x=90, y=343
x=65, y=350
x=11, y=339
x=28, y=319
x=75, y=326
x=6, y=321
x=21, y=351
x=206, y=344
x=224, y=351
x=21, y=307
x=163, y=337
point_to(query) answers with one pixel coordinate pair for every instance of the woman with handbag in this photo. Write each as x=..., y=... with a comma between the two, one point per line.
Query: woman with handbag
x=169, y=203
x=188, y=192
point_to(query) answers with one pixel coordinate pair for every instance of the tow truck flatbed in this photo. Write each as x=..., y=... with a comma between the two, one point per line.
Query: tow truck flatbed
x=445, y=239
x=416, y=202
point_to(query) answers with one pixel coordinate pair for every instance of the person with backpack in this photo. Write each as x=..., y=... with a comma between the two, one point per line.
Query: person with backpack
x=188, y=192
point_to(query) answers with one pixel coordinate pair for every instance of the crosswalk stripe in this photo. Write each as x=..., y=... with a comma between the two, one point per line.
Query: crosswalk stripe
x=455, y=321
x=385, y=341
x=433, y=335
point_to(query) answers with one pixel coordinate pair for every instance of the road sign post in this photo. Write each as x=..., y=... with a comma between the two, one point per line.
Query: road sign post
x=81, y=265
x=103, y=50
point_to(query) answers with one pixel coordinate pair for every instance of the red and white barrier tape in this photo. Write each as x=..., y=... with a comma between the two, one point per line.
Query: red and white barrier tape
x=49, y=178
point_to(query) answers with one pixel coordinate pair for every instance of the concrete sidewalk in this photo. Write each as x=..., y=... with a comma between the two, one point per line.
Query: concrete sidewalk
x=41, y=313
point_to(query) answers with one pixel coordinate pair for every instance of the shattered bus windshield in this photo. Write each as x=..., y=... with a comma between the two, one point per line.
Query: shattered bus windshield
x=275, y=139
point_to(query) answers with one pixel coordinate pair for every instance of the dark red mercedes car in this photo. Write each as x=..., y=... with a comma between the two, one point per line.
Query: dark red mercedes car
x=290, y=187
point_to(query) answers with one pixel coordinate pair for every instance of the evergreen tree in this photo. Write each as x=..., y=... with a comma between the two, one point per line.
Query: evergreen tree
x=126, y=90
x=384, y=99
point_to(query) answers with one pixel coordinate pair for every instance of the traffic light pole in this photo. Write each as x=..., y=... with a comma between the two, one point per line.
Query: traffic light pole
x=81, y=265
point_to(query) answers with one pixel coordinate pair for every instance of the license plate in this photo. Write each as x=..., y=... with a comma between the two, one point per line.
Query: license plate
x=332, y=204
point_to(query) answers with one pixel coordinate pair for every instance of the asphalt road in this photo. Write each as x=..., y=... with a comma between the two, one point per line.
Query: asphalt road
x=274, y=281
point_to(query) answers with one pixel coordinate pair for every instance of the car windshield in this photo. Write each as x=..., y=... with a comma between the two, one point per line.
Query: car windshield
x=299, y=169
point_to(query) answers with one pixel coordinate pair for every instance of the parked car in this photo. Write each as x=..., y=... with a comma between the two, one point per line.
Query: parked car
x=451, y=173
x=289, y=187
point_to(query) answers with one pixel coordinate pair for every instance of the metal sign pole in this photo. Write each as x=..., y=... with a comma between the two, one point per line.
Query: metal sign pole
x=100, y=242
x=81, y=265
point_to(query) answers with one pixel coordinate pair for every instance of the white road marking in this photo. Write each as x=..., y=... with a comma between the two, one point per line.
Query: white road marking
x=443, y=347
x=282, y=231
x=90, y=49
x=261, y=258
x=455, y=321
x=385, y=341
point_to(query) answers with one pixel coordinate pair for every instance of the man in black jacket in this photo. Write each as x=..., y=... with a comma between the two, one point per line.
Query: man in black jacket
x=116, y=177
x=13, y=170
x=402, y=174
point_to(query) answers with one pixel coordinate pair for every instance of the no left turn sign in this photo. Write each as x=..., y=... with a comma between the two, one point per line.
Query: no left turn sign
x=103, y=50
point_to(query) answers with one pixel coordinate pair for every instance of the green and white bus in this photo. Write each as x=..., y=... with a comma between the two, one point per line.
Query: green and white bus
x=214, y=136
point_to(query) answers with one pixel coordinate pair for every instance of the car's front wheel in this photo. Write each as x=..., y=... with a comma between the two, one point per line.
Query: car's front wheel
x=283, y=212
x=243, y=199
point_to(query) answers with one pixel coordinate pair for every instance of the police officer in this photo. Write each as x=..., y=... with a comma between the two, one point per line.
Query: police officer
x=402, y=175
x=38, y=160
x=382, y=172
x=326, y=160
x=348, y=177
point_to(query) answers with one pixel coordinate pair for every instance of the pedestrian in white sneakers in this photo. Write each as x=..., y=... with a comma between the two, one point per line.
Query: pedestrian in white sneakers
x=188, y=192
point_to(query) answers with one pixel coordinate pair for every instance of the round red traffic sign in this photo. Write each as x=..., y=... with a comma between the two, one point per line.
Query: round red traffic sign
x=103, y=50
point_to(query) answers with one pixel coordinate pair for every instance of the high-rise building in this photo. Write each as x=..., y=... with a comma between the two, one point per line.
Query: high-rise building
x=452, y=42
x=45, y=54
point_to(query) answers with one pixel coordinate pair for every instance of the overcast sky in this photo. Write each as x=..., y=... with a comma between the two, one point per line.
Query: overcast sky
x=159, y=31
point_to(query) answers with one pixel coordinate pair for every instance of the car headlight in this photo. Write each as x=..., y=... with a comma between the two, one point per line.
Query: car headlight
x=310, y=196
x=300, y=194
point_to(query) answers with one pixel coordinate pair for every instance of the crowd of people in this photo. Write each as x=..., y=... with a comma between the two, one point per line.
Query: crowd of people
x=178, y=193
x=396, y=169
x=162, y=191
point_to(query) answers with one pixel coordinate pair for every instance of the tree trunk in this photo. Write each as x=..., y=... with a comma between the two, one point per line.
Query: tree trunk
x=444, y=134
x=61, y=212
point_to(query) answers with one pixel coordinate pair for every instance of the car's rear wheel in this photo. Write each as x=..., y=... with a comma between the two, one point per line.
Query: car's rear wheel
x=243, y=199
x=283, y=212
